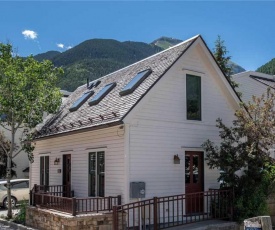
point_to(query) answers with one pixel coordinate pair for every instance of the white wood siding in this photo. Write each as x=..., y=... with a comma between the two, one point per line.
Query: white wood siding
x=79, y=145
x=159, y=129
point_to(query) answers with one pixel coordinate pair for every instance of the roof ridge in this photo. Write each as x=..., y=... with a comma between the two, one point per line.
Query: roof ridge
x=163, y=51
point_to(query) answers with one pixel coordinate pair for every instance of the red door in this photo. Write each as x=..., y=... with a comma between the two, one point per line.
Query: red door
x=194, y=182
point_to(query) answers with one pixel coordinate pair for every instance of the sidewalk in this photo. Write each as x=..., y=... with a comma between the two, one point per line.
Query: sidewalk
x=209, y=225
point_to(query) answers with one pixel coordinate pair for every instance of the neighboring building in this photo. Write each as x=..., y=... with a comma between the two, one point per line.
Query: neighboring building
x=22, y=160
x=253, y=83
x=143, y=123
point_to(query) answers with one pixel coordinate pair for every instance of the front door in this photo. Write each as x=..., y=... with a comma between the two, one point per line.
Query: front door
x=67, y=175
x=194, y=182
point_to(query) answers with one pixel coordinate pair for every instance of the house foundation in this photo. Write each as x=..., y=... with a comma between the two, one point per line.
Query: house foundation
x=51, y=220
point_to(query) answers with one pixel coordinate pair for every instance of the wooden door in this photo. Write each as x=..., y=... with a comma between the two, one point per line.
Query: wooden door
x=67, y=175
x=194, y=182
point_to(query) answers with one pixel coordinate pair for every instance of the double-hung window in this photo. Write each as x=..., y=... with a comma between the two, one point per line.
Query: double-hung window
x=44, y=170
x=193, y=97
x=97, y=173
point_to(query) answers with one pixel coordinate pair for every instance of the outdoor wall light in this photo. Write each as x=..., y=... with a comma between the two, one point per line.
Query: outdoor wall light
x=176, y=159
x=56, y=161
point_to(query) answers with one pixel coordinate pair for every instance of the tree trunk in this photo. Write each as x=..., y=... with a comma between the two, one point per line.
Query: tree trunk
x=9, y=215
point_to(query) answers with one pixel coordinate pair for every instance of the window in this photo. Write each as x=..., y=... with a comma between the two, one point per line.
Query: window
x=193, y=96
x=102, y=93
x=44, y=170
x=21, y=184
x=97, y=173
x=80, y=101
x=135, y=82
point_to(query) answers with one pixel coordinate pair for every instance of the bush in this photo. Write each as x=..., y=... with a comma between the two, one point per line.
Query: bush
x=20, y=218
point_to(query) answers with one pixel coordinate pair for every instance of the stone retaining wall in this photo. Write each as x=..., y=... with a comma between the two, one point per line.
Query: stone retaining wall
x=43, y=219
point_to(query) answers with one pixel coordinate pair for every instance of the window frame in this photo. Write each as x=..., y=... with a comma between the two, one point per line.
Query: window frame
x=43, y=179
x=199, y=118
x=98, y=191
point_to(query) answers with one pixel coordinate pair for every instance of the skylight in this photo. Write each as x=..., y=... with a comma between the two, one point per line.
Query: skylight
x=135, y=82
x=80, y=101
x=102, y=93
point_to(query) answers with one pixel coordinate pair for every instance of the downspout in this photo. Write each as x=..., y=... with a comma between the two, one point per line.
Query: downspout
x=127, y=162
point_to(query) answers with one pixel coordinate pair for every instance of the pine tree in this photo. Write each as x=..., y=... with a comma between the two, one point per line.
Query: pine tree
x=220, y=53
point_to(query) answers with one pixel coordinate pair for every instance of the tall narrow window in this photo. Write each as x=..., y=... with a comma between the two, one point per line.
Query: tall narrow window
x=97, y=174
x=193, y=97
x=44, y=170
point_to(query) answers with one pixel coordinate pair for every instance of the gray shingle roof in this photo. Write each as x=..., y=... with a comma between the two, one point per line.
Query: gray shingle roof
x=112, y=108
x=266, y=81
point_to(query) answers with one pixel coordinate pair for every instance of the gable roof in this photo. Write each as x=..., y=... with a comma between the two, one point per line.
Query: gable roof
x=113, y=108
x=253, y=83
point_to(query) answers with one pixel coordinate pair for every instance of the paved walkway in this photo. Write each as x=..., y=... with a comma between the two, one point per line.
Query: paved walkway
x=217, y=224
x=8, y=225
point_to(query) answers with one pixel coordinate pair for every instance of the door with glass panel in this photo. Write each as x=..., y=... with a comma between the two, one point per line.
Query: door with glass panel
x=97, y=173
x=194, y=182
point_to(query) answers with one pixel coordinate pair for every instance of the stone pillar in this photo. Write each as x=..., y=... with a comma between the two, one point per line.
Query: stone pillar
x=258, y=223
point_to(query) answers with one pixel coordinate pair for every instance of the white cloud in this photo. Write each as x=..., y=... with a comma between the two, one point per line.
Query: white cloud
x=60, y=45
x=29, y=34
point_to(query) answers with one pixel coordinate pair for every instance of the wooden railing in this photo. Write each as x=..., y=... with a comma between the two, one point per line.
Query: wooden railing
x=55, y=190
x=52, y=197
x=169, y=211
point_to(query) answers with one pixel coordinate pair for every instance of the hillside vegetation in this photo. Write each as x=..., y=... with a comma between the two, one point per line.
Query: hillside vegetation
x=268, y=68
x=95, y=58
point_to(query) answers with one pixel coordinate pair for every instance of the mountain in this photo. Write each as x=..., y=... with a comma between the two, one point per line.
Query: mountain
x=46, y=56
x=236, y=68
x=95, y=58
x=166, y=42
x=268, y=68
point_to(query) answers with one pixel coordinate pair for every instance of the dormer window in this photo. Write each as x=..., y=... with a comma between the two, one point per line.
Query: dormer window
x=102, y=93
x=80, y=101
x=135, y=82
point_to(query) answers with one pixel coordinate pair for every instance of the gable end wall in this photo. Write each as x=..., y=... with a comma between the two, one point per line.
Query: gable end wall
x=159, y=129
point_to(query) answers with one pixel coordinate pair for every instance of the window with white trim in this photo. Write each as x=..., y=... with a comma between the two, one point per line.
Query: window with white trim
x=97, y=173
x=44, y=170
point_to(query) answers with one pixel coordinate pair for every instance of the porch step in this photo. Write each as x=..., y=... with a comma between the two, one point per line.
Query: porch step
x=209, y=225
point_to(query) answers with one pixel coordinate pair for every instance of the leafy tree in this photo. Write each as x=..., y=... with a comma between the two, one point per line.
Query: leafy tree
x=245, y=148
x=27, y=90
x=220, y=53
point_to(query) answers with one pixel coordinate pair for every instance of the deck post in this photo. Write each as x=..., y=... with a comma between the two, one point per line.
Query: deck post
x=155, y=213
x=115, y=219
x=73, y=206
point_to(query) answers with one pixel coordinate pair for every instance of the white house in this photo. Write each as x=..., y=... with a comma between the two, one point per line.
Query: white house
x=135, y=124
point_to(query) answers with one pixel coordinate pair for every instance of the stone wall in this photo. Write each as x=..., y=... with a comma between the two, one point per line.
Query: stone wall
x=43, y=219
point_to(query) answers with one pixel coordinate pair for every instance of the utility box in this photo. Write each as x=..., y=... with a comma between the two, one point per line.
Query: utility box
x=137, y=189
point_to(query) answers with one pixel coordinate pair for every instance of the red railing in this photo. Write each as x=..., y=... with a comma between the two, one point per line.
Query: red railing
x=169, y=211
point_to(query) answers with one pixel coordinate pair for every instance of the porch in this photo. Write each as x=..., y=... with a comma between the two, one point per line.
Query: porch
x=155, y=213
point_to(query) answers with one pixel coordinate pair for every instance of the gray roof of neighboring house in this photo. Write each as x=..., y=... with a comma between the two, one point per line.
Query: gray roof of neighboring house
x=253, y=83
x=113, y=107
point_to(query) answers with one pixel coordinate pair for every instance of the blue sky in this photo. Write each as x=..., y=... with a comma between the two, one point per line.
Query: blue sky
x=248, y=27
